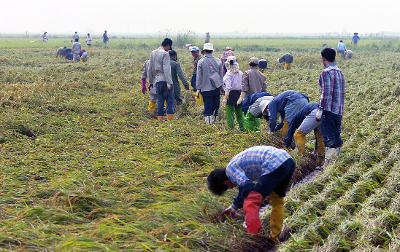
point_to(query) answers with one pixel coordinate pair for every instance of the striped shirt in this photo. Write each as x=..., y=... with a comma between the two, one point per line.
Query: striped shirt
x=332, y=85
x=249, y=165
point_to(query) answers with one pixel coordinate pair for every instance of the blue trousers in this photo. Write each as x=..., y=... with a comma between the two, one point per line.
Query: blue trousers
x=211, y=100
x=193, y=82
x=164, y=94
x=331, y=127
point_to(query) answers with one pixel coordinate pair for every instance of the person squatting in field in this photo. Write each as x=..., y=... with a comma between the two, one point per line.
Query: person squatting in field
x=76, y=50
x=252, y=111
x=286, y=60
x=159, y=73
x=176, y=72
x=232, y=87
x=209, y=82
x=341, y=48
x=258, y=172
x=331, y=105
x=303, y=123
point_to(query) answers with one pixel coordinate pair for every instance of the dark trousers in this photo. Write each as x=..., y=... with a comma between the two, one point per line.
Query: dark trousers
x=177, y=94
x=193, y=82
x=164, y=94
x=331, y=127
x=276, y=181
x=211, y=100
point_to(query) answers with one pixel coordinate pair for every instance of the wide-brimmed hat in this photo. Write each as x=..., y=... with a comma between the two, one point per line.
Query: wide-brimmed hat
x=208, y=47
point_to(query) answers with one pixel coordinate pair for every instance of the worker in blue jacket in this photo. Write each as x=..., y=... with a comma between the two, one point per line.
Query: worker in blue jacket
x=287, y=105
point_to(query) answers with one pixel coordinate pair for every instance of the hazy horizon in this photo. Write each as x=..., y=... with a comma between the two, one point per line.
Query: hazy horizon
x=150, y=17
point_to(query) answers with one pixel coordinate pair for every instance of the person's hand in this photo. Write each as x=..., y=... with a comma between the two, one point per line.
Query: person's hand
x=150, y=86
x=318, y=115
x=197, y=94
x=169, y=86
x=143, y=86
x=240, y=100
x=229, y=212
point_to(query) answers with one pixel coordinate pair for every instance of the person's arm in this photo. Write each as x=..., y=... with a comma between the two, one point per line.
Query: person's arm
x=292, y=128
x=245, y=185
x=199, y=76
x=167, y=70
x=273, y=113
x=150, y=71
x=181, y=76
x=324, y=82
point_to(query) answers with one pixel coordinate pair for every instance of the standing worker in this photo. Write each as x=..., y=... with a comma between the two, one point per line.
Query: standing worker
x=287, y=104
x=176, y=72
x=105, y=38
x=259, y=172
x=76, y=50
x=303, y=123
x=89, y=40
x=160, y=74
x=75, y=36
x=286, y=60
x=331, y=105
x=209, y=82
x=253, y=80
x=196, y=57
x=233, y=86
x=45, y=38
x=152, y=104
x=355, y=39
x=341, y=48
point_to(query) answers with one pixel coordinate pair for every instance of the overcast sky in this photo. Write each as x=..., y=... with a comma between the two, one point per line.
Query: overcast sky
x=161, y=16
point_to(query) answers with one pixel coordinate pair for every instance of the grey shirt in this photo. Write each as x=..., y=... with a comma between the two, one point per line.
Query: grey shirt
x=176, y=71
x=76, y=47
x=203, y=81
x=159, y=67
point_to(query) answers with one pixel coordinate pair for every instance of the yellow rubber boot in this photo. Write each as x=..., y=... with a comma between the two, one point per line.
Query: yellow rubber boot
x=151, y=106
x=285, y=128
x=300, y=140
x=276, y=217
x=319, y=145
x=170, y=117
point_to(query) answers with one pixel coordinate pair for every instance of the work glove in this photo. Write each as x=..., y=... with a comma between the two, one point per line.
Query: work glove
x=150, y=86
x=169, y=86
x=318, y=115
x=143, y=86
x=251, y=208
x=229, y=212
x=240, y=100
x=197, y=94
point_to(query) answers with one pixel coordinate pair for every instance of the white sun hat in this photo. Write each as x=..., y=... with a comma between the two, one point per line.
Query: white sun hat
x=265, y=102
x=208, y=46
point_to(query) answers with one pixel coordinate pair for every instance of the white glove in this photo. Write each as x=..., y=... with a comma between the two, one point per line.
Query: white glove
x=318, y=115
x=169, y=86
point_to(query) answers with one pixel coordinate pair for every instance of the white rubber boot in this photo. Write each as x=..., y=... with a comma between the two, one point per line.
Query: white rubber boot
x=331, y=155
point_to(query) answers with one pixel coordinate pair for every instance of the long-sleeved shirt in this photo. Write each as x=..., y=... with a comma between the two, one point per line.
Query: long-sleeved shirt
x=249, y=100
x=159, y=67
x=278, y=104
x=176, y=72
x=145, y=70
x=287, y=58
x=105, y=38
x=249, y=165
x=76, y=36
x=332, y=85
x=195, y=62
x=76, y=47
x=203, y=81
x=296, y=122
x=233, y=81
x=253, y=81
x=88, y=40
x=341, y=47
x=355, y=39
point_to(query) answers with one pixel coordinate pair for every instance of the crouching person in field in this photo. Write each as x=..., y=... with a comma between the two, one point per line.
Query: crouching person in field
x=286, y=60
x=160, y=75
x=76, y=50
x=258, y=172
x=84, y=55
x=303, y=123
